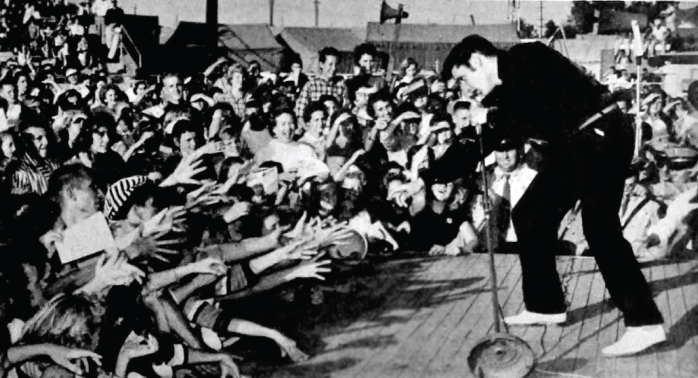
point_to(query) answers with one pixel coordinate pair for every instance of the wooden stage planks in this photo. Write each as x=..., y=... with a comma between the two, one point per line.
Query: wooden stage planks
x=430, y=319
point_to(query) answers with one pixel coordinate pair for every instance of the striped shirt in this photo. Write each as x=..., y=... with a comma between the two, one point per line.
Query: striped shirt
x=32, y=176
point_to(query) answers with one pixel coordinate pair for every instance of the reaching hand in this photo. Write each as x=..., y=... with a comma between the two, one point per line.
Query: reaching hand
x=299, y=229
x=64, y=356
x=189, y=167
x=210, y=149
x=115, y=270
x=144, y=138
x=437, y=250
x=382, y=124
x=139, y=347
x=208, y=265
x=161, y=223
x=237, y=211
x=333, y=235
x=289, y=348
x=356, y=155
x=312, y=269
x=228, y=366
x=404, y=227
x=452, y=250
x=205, y=196
x=296, y=251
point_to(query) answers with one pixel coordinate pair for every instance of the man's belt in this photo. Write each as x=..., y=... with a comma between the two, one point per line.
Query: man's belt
x=598, y=116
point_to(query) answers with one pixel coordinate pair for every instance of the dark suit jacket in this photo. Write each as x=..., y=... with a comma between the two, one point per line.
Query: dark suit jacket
x=543, y=95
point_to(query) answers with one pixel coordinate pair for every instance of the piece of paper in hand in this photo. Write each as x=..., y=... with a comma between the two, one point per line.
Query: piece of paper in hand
x=85, y=239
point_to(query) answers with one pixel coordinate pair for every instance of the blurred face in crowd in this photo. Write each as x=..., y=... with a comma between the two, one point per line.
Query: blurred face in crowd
x=421, y=103
x=187, y=143
x=232, y=144
x=100, y=141
x=110, y=98
x=85, y=198
x=39, y=139
x=442, y=192
x=296, y=68
x=329, y=67
x=655, y=107
x=284, y=127
x=444, y=136
x=331, y=107
x=172, y=90
x=82, y=45
x=140, y=88
x=237, y=79
x=22, y=84
x=366, y=63
x=680, y=175
x=383, y=110
x=75, y=126
x=255, y=69
x=8, y=146
x=461, y=118
x=411, y=70
x=361, y=98
x=481, y=75
x=629, y=185
x=72, y=79
x=271, y=222
x=507, y=160
x=664, y=171
x=138, y=214
x=317, y=120
x=9, y=93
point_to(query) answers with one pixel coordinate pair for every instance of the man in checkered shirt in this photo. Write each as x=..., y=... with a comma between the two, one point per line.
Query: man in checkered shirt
x=324, y=84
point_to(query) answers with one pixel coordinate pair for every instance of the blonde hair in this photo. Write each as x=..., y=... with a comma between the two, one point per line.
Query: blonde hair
x=67, y=320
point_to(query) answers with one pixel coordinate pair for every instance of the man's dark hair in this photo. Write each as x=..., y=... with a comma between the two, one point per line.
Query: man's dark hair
x=461, y=53
x=364, y=49
x=377, y=97
x=315, y=106
x=184, y=126
x=83, y=142
x=461, y=105
x=328, y=97
x=328, y=51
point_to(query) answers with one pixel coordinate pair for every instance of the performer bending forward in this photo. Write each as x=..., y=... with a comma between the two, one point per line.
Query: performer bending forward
x=531, y=91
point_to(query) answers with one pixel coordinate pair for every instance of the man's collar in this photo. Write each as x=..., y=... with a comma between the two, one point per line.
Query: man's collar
x=504, y=73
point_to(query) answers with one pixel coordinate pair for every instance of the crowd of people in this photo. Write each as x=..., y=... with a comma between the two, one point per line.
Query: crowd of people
x=137, y=214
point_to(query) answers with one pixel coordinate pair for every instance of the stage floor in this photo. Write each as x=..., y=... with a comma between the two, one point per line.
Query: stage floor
x=420, y=318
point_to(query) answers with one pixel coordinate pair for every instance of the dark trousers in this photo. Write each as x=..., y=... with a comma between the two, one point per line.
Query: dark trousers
x=590, y=166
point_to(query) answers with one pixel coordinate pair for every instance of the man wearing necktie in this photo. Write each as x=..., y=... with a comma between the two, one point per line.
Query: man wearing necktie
x=510, y=178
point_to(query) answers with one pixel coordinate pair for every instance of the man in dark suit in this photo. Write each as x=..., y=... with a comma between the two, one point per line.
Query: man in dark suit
x=531, y=91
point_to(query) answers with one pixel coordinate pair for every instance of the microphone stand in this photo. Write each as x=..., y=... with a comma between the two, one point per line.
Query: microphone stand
x=487, y=204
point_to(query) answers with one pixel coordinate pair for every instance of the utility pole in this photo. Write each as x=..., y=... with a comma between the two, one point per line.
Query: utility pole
x=271, y=12
x=212, y=23
x=317, y=13
x=540, y=28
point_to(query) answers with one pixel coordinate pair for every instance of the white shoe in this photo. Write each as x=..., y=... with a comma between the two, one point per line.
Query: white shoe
x=531, y=318
x=635, y=340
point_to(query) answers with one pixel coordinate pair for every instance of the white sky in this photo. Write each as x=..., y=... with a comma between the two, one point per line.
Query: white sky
x=347, y=13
